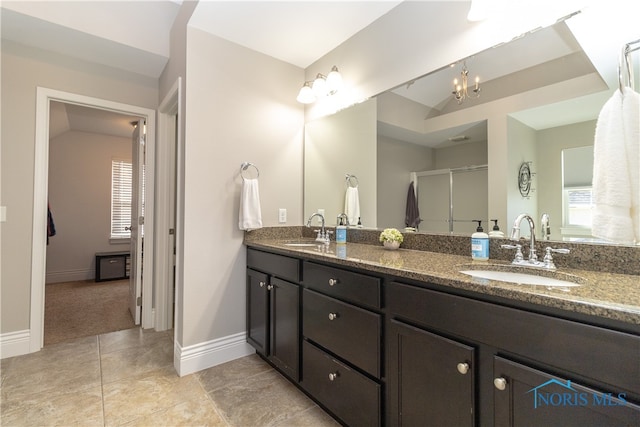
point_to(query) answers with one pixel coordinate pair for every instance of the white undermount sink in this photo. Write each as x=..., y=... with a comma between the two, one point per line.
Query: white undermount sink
x=519, y=278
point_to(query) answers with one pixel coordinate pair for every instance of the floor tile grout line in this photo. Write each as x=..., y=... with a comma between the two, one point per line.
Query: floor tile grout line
x=104, y=415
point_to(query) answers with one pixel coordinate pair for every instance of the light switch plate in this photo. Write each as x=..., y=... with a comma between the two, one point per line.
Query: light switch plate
x=282, y=215
x=3, y=213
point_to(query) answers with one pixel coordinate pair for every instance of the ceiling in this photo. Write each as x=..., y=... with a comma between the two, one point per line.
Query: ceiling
x=133, y=37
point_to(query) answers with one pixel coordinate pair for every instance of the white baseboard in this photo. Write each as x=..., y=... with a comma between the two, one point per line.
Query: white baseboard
x=197, y=357
x=69, y=276
x=15, y=343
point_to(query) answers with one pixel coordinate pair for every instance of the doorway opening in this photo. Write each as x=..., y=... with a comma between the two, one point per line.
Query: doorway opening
x=40, y=214
x=89, y=198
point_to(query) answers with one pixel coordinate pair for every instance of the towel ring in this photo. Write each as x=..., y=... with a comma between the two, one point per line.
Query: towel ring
x=352, y=181
x=243, y=168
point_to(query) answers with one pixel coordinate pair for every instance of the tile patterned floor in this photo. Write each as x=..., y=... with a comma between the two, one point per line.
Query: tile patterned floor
x=126, y=378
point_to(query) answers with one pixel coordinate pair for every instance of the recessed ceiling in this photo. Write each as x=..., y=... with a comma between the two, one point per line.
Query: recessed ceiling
x=297, y=32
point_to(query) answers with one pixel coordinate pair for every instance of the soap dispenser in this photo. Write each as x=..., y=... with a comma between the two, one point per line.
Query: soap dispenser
x=479, y=243
x=496, y=230
x=341, y=229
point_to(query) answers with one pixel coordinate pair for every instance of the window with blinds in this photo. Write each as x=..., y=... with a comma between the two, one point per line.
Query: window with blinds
x=121, y=178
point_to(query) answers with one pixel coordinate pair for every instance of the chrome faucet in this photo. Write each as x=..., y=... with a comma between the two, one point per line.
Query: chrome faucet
x=323, y=235
x=515, y=235
x=544, y=225
x=342, y=219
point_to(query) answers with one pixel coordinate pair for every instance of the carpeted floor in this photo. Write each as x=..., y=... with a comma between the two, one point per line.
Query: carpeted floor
x=79, y=309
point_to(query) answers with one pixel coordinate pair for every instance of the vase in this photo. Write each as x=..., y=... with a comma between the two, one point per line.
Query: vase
x=391, y=245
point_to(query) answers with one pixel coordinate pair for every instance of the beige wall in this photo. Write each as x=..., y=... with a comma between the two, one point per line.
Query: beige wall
x=23, y=69
x=336, y=145
x=80, y=196
x=396, y=160
x=240, y=107
x=551, y=142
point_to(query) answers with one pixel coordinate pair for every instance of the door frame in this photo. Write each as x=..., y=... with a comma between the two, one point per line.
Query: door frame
x=40, y=195
x=169, y=151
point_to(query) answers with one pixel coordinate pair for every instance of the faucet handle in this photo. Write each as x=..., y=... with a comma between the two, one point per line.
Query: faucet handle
x=518, y=257
x=548, y=259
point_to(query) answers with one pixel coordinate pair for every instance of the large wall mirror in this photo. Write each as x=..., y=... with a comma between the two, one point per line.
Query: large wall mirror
x=540, y=96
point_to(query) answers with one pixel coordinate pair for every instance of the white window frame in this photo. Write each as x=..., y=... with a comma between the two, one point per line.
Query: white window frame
x=567, y=227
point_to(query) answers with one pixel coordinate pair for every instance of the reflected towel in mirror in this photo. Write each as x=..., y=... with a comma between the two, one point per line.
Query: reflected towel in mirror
x=250, y=213
x=412, y=215
x=352, y=205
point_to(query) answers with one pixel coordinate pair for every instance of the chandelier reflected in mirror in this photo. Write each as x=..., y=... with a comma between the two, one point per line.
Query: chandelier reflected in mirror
x=461, y=89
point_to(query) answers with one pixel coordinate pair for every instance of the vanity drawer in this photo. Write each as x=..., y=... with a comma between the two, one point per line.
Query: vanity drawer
x=353, y=287
x=351, y=396
x=280, y=266
x=348, y=331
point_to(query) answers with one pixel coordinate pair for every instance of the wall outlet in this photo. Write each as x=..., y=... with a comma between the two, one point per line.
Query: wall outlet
x=282, y=215
x=321, y=212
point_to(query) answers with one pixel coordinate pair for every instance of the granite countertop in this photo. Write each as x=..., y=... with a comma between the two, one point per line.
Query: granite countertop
x=605, y=295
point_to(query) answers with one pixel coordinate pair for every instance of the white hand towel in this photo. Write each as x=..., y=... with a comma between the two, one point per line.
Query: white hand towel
x=250, y=214
x=616, y=186
x=352, y=205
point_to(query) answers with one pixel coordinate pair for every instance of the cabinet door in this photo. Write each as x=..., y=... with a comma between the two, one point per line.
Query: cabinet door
x=528, y=397
x=430, y=379
x=258, y=311
x=285, y=327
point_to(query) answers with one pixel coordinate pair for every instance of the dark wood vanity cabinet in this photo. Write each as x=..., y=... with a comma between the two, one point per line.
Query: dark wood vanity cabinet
x=430, y=379
x=460, y=361
x=273, y=310
x=377, y=351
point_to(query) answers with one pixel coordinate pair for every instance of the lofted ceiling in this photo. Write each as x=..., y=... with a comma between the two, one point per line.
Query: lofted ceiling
x=133, y=36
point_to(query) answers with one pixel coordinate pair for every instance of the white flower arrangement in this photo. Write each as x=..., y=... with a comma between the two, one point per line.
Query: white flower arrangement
x=391, y=235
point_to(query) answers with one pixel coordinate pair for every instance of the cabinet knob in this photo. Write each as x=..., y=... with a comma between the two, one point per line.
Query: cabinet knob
x=269, y=287
x=262, y=284
x=333, y=316
x=333, y=376
x=500, y=383
x=333, y=282
x=463, y=368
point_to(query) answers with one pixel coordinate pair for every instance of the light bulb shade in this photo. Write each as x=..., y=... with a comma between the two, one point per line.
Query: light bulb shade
x=334, y=81
x=319, y=86
x=306, y=95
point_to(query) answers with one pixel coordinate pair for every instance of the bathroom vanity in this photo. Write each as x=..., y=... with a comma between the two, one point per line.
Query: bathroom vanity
x=381, y=337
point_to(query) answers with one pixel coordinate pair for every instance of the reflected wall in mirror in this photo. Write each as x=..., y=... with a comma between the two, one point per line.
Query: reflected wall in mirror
x=541, y=94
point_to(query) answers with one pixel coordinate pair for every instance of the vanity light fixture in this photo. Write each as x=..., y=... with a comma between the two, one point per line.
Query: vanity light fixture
x=460, y=89
x=306, y=95
x=321, y=86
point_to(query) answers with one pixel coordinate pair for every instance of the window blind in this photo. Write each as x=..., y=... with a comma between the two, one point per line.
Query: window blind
x=121, y=178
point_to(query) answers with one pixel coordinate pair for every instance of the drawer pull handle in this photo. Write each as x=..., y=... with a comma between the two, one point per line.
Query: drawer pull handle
x=333, y=282
x=500, y=383
x=333, y=316
x=262, y=284
x=333, y=376
x=463, y=368
x=269, y=287
x=113, y=261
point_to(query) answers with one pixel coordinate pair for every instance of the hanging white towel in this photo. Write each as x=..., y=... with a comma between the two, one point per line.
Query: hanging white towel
x=352, y=205
x=616, y=176
x=250, y=213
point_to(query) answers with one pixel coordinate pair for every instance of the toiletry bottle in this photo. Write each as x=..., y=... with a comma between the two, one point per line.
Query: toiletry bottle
x=359, y=225
x=479, y=244
x=496, y=230
x=341, y=231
